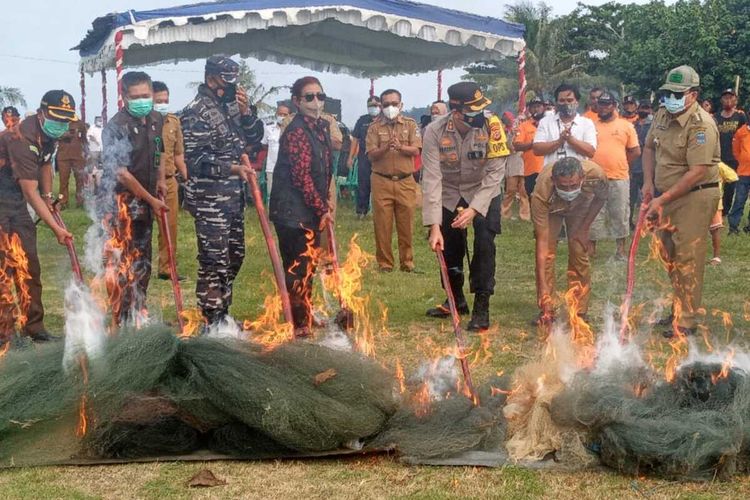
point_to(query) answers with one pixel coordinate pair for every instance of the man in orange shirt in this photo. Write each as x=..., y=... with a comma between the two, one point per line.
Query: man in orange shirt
x=593, y=106
x=630, y=109
x=617, y=148
x=524, y=140
x=741, y=150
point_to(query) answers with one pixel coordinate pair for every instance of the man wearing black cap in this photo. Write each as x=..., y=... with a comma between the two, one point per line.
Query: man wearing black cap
x=728, y=120
x=219, y=126
x=359, y=149
x=26, y=177
x=629, y=109
x=132, y=180
x=463, y=165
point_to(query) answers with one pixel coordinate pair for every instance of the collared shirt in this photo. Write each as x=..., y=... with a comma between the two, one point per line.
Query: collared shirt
x=641, y=130
x=271, y=139
x=23, y=151
x=381, y=131
x=614, y=138
x=688, y=140
x=173, y=143
x=549, y=130
x=455, y=168
x=546, y=202
x=360, y=133
x=94, y=137
x=70, y=146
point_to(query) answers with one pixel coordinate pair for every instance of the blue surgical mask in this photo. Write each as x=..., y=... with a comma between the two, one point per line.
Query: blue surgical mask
x=162, y=108
x=674, y=105
x=54, y=129
x=373, y=111
x=568, y=195
x=140, y=107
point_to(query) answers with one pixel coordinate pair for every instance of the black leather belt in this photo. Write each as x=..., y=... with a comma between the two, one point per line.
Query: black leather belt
x=398, y=177
x=708, y=185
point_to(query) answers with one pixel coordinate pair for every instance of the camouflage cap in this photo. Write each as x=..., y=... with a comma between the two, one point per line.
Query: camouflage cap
x=681, y=79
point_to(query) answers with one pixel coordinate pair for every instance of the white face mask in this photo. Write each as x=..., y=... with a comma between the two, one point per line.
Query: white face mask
x=373, y=111
x=312, y=109
x=280, y=119
x=391, y=112
x=162, y=108
x=568, y=195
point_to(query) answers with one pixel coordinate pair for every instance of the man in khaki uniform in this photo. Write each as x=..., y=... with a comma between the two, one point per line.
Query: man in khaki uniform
x=70, y=158
x=174, y=163
x=680, y=161
x=571, y=191
x=463, y=165
x=393, y=141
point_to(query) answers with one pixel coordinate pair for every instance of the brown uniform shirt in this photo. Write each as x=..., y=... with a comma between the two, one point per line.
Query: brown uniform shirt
x=380, y=133
x=455, y=167
x=23, y=151
x=70, y=147
x=545, y=202
x=690, y=139
x=173, y=143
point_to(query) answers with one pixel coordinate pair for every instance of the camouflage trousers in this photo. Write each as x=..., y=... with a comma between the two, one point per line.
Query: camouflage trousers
x=221, y=250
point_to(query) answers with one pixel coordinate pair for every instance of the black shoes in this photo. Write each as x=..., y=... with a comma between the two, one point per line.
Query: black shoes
x=42, y=336
x=480, y=315
x=733, y=231
x=168, y=277
x=443, y=310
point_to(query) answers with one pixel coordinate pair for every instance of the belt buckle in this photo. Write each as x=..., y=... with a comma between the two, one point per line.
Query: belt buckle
x=395, y=178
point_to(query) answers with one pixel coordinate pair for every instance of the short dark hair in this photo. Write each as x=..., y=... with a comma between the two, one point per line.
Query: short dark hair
x=283, y=105
x=596, y=89
x=390, y=91
x=303, y=82
x=132, y=78
x=10, y=110
x=160, y=87
x=568, y=87
x=565, y=167
x=373, y=98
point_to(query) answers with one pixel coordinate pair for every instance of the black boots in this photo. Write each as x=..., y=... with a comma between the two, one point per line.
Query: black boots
x=480, y=315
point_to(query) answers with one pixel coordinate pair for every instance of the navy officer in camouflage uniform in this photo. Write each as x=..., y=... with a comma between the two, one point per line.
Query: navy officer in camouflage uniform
x=219, y=125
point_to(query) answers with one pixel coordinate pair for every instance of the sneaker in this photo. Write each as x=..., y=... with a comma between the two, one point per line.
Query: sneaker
x=715, y=261
x=443, y=310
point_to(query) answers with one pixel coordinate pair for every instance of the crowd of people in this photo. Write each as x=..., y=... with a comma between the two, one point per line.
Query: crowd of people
x=579, y=177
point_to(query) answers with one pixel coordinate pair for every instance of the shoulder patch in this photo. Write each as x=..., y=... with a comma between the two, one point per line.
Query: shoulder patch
x=700, y=138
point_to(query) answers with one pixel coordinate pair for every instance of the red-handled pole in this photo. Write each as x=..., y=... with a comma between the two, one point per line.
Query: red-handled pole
x=273, y=253
x=74, y=263
x=164, y=227
x=625, y=309
x=460, y=339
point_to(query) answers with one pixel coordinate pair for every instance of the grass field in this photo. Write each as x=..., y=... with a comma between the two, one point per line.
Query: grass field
x=412, y=337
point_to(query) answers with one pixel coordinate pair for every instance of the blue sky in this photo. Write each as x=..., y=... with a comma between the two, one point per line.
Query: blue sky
x=38, y=33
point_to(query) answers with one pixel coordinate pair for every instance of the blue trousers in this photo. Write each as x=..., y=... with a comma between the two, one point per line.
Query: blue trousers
x=742, y=187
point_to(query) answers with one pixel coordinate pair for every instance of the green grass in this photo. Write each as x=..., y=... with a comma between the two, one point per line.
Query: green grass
x=411, y=338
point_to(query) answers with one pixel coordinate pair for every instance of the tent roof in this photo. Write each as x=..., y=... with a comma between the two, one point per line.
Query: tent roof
x=361, y=37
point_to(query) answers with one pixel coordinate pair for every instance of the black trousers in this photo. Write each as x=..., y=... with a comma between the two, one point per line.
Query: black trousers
x=482, y=265
x=728, y=197
x=529, y=182
x=364, y=171
x=636, y=185
x=15, y=220
x=299, y=269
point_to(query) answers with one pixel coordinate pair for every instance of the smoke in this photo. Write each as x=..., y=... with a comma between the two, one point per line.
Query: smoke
x=84, y=325
x=440, y=377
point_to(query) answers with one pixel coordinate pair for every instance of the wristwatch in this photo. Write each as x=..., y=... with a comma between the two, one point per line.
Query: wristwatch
x=49, y=196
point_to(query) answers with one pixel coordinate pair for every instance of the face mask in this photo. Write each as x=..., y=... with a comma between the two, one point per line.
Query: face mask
x=568, y=195
x=567, y=110
x=162, y=108
x=643, y=114
x=140, y=107
x=605, y=116
x=474, y=120
x=391, y=112
x=97, y=123
x=312, y=109
x=230, y=93
x=54, y=129
x=673, y=104
x=538, y=116
x=373, y=111
x=280, y=119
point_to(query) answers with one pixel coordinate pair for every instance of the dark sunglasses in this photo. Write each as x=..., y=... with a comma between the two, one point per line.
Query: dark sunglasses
x=677, y=95
x=229, y=77
x=320, y=96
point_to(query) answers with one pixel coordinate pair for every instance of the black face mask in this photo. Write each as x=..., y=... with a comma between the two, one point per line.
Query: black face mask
x=627, y=113
x=474, y=121
x=643, y=114
x=605, y=116
x=538, y=116
x=230, y=93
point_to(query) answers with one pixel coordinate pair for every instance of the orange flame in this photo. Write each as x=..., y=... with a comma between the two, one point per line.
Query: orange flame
x=400, y=377
x=421, y=401
x=14, y=271
x=193, y=321
x=82, y=411
x=270, y=329
x=582, y=335
x=726, y=366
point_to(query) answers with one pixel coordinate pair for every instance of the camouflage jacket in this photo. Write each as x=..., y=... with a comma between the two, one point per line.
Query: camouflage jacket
x=215, y=135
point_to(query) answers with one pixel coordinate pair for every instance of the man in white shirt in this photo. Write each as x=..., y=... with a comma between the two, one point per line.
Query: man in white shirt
x=271, y=139
x=565, y=133
x=94, y=160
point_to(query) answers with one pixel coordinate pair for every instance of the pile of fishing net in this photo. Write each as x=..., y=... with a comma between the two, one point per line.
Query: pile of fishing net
x=696, y=426
x=151, y=394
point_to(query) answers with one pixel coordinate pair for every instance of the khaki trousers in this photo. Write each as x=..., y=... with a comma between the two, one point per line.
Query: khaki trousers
x=684, y=250
x=394, y=200
x=515, y=187
x=173, y=204
x=64, y=168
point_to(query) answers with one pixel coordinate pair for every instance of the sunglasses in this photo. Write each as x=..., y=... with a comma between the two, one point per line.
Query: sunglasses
x=676, y=95
x=320, y=96
x=229, y=77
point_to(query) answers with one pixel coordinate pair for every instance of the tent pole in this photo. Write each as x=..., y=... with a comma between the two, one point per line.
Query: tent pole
x=119, y=53
x=440, y=85
x=104, y=96
x=83, y=96
x=372, y=87
x=522, y=81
